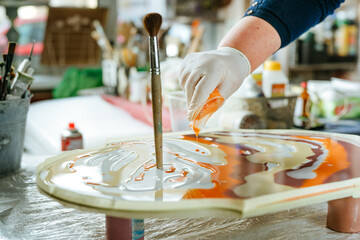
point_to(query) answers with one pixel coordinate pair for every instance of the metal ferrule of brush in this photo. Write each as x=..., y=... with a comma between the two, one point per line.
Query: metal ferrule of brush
x=154, y=56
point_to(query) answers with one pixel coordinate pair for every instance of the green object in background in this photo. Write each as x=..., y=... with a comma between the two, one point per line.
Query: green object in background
x=333, y=108
x=75, y=79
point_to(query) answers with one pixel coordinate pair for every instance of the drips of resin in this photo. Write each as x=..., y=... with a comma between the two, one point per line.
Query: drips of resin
x=218, y=165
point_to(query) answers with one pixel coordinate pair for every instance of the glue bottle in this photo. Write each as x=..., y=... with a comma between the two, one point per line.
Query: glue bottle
x=71, y=138
x=274, y=82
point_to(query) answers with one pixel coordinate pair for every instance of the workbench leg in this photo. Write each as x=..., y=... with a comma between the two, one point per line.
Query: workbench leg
x=344, y=215
x=124, y=229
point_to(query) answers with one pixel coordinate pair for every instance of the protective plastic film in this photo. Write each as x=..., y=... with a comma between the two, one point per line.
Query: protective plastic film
x=36, y=216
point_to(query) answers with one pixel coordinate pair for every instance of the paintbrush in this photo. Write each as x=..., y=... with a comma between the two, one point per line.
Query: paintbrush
x=102, y=39
x=152, y=23
x=2, y=71
x=9, y=59
x=25, y=63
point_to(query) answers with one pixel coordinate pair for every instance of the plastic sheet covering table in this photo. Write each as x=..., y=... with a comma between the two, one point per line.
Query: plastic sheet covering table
x=36, y=216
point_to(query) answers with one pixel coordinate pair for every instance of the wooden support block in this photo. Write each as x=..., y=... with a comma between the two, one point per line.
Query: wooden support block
x=344, y=215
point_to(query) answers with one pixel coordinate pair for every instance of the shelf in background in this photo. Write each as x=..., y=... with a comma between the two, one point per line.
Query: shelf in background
x=324, y=67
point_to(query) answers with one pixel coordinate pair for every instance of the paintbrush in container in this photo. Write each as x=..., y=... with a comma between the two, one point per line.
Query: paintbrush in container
x=4, y=56
x=23, y=78
x=152, y=23
x=2, y=71
x=102, y=40
x=9, y=59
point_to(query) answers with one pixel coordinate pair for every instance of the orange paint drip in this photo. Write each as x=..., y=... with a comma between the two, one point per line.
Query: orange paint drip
x=92, y=183
x=171, y=169
x=96, y=152
x=147, y=166
x=317, y=193
x=70, y=166
x=204, y=165
x=182, y=178
x=184, y=173
x=82, y=156
x=213, y=103
x=140, y=177
x=179, y=179
x=195, y=129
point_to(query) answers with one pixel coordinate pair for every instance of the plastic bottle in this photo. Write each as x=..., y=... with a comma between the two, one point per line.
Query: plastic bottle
x=301, y=113
x=275, y=82
x=71, y=138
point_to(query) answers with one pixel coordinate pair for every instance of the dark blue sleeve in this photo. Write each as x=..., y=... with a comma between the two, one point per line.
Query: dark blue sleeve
x=291, y=18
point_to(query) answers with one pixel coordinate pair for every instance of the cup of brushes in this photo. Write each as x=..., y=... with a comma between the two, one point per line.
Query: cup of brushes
x=14, y=104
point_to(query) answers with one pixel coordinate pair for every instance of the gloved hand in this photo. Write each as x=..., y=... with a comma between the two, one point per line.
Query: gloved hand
x=202, y=72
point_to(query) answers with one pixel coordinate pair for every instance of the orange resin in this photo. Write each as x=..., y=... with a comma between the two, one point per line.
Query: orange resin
x=223, y=179
x=334, y=162
x=182, y=178
x=147, y=166
x=212, y=104
x=140, y=177
x=171, y=169
x=184, y=173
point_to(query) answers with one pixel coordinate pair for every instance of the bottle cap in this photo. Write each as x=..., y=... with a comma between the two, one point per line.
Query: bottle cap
x=71, y=125
x=272, y=65
x=303, y=84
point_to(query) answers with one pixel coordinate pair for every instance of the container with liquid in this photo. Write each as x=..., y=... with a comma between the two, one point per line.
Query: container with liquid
x=275, y=82
x=301, y=112
x=71, y=138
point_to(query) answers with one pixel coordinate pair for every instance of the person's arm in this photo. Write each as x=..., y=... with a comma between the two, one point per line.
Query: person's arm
x=291, y=18
x=267, y=26
x=271, y=24
x=255, y=38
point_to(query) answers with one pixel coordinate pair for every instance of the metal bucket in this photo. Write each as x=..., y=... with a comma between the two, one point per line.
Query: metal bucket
x=12, y=129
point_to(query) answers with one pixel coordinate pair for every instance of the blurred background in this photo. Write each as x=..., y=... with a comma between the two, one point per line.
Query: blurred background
x=99, y=49
x=90, y=84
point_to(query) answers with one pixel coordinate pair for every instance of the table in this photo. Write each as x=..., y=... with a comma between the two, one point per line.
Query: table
x=40, y=217
x=347, y=126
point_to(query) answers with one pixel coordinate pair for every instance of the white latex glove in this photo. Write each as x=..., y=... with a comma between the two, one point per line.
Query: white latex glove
x=202, y=72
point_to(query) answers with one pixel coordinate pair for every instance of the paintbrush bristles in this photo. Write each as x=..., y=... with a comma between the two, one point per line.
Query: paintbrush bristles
x=152, y=23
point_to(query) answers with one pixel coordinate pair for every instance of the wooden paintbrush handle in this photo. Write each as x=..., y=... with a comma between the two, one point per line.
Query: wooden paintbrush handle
x=157, y=118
